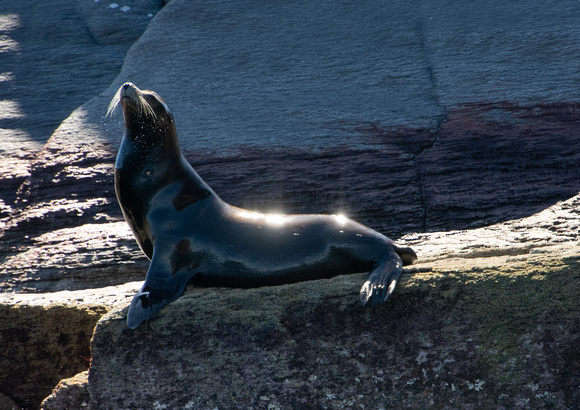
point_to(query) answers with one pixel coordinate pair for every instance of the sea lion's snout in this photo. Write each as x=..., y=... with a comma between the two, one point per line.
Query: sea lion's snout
x=132, y=100
x=129, y=91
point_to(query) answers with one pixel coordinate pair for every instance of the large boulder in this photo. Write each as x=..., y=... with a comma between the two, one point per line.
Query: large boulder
x=501, y=333
x=71, y=393
x=489, y=319
x=411, y=120
x=46, y=338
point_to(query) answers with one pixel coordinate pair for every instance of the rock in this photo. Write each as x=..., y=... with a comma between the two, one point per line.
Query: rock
x=114, y=23
x=71, y=393
x=7, y=404
x=462, y=267
x=421, y=121
x=283, y=111
x=557, y=225
x=490, y=332
x=510, y=253
x=45, y=338
x=495, y=162
x=487, y=317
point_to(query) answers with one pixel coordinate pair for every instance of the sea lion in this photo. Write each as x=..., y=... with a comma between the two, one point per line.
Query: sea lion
x=192, y=236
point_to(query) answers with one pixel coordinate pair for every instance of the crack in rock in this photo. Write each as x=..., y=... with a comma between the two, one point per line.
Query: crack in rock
x=439, y=121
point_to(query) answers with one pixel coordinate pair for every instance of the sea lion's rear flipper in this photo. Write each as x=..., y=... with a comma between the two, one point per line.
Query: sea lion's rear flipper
x=382, y=280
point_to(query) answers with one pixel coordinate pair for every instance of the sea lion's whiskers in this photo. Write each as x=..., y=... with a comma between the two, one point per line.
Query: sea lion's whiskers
x=130, y=92
x=145, y=107
x=113, y=104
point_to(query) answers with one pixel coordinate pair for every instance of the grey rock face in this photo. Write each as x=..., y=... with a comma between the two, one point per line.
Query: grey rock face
x=71, y=393
x=313, y=109
x=118, y=23
x=467, y=332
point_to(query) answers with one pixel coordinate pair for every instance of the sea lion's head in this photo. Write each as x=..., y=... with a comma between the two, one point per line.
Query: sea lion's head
x=147, y=117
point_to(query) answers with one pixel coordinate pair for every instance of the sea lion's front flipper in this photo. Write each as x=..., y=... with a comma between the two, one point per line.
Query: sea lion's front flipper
x=382, y=280
x=160, y=289
x=149, y=301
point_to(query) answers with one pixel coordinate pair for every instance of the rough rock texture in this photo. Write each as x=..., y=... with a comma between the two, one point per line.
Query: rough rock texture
x=45, y=338
x=47, y=343
x=7, y=404
x=71, y=393
x=487, y=317
x=277, y=109
x=466, y=333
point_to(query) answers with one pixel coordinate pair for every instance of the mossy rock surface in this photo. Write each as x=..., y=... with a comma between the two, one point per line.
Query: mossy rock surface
x=488, y=332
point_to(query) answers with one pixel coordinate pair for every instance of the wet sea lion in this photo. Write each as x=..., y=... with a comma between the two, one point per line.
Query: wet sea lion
x=192, y=236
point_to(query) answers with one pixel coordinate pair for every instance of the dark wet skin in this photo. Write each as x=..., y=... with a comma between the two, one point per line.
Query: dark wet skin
x=192, y=236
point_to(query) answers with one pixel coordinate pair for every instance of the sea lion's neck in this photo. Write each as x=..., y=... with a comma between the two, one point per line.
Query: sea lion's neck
x=143, y=168
x=138, y=151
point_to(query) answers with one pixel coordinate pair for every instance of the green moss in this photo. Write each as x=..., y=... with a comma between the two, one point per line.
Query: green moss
x=523, y=317
x=505, y=300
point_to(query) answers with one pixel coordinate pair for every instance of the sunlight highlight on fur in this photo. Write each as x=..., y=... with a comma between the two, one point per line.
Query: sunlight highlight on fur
x=341, y=219
x=270, y=219
x=275, y=219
